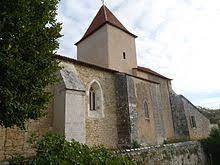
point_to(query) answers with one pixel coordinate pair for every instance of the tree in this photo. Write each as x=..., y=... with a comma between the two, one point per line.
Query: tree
x=28, y=41
x=212, y=146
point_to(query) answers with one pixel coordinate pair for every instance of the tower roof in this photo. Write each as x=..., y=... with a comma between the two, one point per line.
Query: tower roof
x=103, y=17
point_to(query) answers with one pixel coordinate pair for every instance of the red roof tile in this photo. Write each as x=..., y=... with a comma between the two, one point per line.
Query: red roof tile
x=104, y=16
x=143, y=69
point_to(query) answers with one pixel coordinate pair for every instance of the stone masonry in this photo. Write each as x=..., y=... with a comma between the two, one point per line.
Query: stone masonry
x=180, y=123
x=182, y=111
x=123, y=119
x=186, y=153
x=15, y=141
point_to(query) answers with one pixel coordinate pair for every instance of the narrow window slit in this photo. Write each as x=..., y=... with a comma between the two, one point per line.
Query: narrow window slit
x=124, y=55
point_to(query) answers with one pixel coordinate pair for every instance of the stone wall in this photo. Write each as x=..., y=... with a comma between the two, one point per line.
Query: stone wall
x=145, y=126
x=182, y=111
x=14, y=140
x=132, y=104
x=165, y=101
x=202, y=128
x=180, y=123
x=159, y=115
x=69, y=106
x=133, y=125
x=150, y=130
x=186, y=153
x=99, y=130
x=123, y=119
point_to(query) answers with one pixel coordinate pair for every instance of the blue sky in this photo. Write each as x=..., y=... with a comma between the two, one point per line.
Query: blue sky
x=177, y=38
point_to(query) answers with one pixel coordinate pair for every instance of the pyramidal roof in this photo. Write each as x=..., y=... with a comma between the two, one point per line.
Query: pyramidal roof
x=103, y=17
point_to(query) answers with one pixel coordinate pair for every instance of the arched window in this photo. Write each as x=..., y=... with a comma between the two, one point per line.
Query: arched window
x=95, y=100
x=92, y=99
x=145, y=109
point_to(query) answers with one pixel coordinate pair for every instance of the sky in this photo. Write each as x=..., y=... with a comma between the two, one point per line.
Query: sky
x=177, y=38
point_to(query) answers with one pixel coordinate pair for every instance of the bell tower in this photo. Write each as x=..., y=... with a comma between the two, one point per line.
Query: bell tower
x=108, y=43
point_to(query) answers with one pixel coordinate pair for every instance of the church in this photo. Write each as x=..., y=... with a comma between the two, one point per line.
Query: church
x=105, y=98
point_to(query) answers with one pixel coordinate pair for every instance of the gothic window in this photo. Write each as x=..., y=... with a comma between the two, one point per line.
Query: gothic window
x=95, y=100
x=145, y=108
x=92, y=99
x=192, y=122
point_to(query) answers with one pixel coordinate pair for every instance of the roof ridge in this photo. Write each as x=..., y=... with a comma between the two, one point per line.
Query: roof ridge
x=106, y=17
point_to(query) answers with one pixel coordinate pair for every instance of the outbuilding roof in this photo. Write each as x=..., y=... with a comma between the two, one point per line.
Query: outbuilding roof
x=147, y=70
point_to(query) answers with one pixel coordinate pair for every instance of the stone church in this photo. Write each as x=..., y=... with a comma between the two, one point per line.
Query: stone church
x=105, y=98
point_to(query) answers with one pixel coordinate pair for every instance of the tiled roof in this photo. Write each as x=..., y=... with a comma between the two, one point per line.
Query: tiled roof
x=143, y=69
x=104, y=16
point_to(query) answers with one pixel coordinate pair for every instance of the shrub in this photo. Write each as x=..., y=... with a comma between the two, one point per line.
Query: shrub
x=212, y=146
x=53, y=149
x=170, y=141
x=135, y=144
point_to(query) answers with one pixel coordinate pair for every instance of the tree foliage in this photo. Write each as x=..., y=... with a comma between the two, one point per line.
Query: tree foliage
x=212, y=114
x=212, y=146
x=28, y=40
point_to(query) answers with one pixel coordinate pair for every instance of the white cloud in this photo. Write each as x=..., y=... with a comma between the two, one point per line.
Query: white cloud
x=213, y=103
x=178, y=38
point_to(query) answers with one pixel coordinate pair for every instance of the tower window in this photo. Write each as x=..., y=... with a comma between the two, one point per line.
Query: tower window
x=124, y=55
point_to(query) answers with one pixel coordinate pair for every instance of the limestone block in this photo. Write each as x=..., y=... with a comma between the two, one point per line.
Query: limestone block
x=18, y=142
x=29, y=153
x=43, y=131
x=27, y=145
x=75, y=116
x=2, y=132
x=2, y=142
x=11, y=151
x=14, y=134
x=33, y=126
x=2, y=155
x=45, y=122
x=2, y=138
x=71, y=80
x=8, y=143
x=18, y=149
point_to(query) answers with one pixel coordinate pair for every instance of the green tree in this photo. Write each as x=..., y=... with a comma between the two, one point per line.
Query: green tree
x=28, y=41
x=212, y=146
